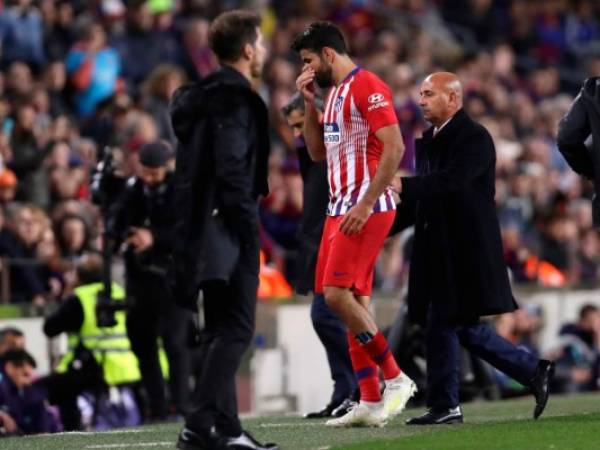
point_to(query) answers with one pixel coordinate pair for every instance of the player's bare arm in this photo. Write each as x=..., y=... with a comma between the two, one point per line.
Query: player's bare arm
x=313, y=130
x=393, y=149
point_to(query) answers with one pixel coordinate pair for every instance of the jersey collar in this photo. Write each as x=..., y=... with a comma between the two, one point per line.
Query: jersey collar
x=351, y=74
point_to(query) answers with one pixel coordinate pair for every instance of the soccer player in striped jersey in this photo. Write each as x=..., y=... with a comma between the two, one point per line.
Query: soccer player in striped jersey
x=360, y=138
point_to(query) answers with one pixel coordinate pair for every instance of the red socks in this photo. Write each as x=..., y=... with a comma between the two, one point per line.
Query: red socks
x=365, y=370
x=365, y=358
x=379, y=351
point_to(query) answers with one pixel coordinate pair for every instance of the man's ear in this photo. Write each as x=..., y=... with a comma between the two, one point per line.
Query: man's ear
x=248, y=51
x=328, y=55
x=452, y=97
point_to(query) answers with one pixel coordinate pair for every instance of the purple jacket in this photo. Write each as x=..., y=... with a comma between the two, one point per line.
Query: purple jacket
x=27, y=407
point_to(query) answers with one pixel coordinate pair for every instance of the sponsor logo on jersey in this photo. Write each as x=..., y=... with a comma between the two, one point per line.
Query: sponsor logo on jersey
x=331, y=133
x=378, y=105
x=375, y=98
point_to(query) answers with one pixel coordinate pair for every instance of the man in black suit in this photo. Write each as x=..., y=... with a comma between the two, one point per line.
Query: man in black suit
x=222, y=127
x=457, y=271
x=578, y=138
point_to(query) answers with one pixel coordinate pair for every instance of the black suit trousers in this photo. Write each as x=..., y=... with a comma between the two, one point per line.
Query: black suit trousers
x=229, y=313
x=443, y=344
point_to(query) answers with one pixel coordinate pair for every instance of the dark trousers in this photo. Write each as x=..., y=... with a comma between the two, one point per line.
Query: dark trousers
x=443, y=357
x=332, y=333
x=229, y=312
x=63, y=388
x=156, y=316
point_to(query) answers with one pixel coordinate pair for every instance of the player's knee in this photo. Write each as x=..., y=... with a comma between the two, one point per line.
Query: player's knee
x=334, y=297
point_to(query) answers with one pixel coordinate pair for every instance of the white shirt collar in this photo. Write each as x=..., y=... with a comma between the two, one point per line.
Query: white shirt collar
x=436, y=130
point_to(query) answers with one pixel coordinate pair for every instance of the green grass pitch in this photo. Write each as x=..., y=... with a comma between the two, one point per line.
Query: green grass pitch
x=569, y=423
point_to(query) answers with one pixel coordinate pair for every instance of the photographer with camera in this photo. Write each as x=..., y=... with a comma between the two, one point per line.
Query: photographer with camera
x=143, y=222
x=98, y=356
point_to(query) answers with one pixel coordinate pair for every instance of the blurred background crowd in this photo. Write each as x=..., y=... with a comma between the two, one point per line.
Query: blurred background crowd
x=77, y=75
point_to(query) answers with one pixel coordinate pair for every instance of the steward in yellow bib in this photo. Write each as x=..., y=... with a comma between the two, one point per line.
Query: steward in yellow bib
x=110, y=346
x=97, y=357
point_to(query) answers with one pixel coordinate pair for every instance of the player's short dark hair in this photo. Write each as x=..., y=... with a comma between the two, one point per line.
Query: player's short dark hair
x=231, y=31
x=296, y=103
x=318, y=35
x=587, y=309
x=18, y=357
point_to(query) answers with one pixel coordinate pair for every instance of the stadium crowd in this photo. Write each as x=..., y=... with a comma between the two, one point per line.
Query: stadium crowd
x=76, y=76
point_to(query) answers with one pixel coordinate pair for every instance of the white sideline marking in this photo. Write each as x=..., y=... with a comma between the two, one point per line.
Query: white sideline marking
x=137, y=444
x=89, y=433
x=291, y=424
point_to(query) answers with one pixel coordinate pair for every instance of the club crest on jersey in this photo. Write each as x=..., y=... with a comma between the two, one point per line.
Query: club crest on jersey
x=338, y=103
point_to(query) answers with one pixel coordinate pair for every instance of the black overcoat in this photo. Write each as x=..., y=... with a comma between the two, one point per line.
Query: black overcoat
x=457, y=260
x=578, y=138
x=222, y=159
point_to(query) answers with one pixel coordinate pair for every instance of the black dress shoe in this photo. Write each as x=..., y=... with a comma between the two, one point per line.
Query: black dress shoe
x=323, y=413
x=245, y=441
x=201, y=440
x=438, y=417
x=540, y=385
x=344, y=408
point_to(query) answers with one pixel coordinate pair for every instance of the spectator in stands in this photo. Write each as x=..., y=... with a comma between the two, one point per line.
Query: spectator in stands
x=196, y=57
x=59, y=31
x=93, y=70
x=17, y=243
x=22, y=404
x=577, y=354
x=68, y=177
x=157, y=91
x=139, y=48
x=28, y=156
x=73, y=237
x=11, y=338
x=587, y=263
x=21, y=34
x=8, y=186
x=50, y=269
x=55, y=81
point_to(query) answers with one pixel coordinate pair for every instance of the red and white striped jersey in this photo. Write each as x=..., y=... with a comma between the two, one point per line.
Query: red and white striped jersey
x=354, y=111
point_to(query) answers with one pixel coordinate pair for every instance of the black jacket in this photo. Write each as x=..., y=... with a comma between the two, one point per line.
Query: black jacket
x=315, y=194
x=147, y=207
x=457, y=259
x=222, y=161
x=581, y=121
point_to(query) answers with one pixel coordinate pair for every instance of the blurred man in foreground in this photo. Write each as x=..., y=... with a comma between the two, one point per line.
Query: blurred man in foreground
x=578, y=138
x=222, y=127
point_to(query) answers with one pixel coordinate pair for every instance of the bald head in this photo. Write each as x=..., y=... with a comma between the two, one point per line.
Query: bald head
x=440, y=97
